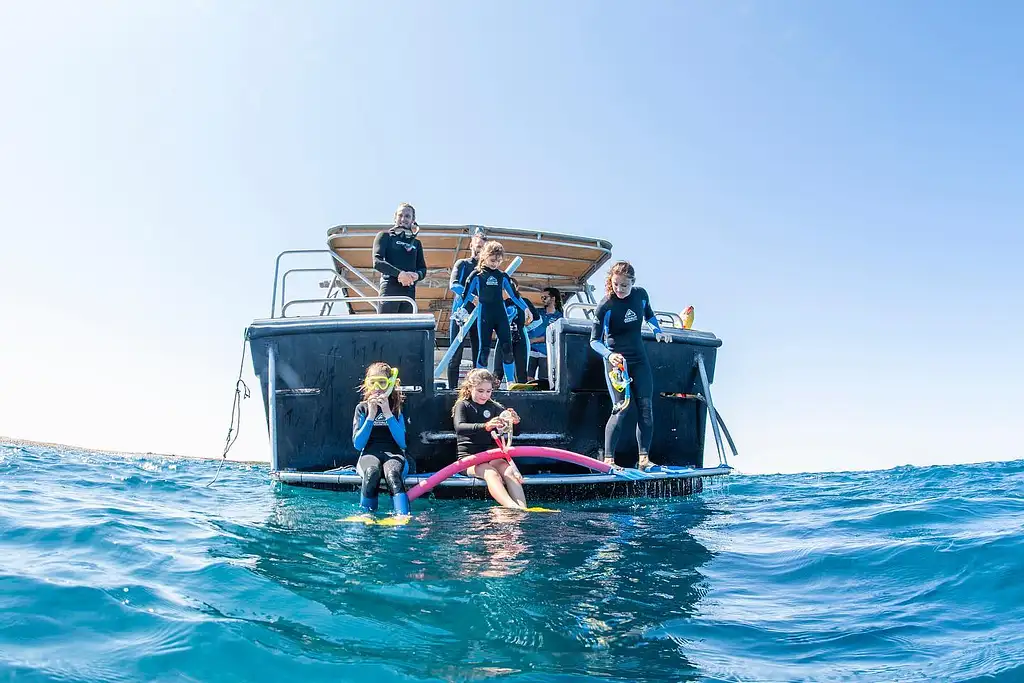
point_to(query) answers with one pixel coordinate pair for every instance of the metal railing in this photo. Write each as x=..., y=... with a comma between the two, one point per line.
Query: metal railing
x=329, y=301
x=674, y=320
x=326, y=309
x=350, y=299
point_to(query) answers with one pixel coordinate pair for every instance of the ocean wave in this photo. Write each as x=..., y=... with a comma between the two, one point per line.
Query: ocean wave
x=120, y=568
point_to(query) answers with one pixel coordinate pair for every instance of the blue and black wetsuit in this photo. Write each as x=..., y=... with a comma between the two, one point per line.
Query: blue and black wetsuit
x=539, y=350
x=489, y=285
x=394, y=251
x=617, y=328
x=461, y=272
x=382, y=448
x=520, y=342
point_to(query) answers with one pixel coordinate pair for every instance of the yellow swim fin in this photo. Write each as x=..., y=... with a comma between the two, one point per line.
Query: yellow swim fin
x=358, y=519
x=540, y=509
x=396, y=520
x=370, y=520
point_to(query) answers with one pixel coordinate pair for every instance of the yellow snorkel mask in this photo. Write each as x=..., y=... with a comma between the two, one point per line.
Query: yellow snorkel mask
x=382, y=383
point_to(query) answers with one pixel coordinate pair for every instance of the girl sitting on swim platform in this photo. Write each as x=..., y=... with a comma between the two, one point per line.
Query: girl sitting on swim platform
x=378, y=432
x=476, y=418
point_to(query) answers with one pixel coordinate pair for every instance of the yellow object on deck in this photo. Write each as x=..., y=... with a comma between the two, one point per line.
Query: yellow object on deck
x=522, y=386
x=687, y=317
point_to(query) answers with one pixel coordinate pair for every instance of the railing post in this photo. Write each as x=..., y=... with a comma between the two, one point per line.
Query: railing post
x=348, y=265
x=712, y=413
x=277, y=269
x=351, y=299
x=272, y=402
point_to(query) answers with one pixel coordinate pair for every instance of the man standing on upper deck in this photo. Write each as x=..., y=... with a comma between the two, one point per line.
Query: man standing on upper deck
x=398, y=257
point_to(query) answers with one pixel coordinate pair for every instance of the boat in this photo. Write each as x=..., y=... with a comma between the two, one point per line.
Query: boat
x=311, y=352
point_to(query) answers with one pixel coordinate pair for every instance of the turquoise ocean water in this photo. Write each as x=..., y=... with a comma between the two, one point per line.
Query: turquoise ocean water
x=131, y=569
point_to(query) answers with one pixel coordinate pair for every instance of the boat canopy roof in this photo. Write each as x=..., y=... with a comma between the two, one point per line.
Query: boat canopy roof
x=549, y=260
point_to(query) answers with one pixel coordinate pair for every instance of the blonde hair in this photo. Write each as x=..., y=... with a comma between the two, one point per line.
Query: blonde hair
x=490, y=247
x=405, y=205
x=396, y=398
x=474, y=379
x=618, y=268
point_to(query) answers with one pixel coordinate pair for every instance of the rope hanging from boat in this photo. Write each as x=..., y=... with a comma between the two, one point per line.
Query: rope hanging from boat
x=235, y=425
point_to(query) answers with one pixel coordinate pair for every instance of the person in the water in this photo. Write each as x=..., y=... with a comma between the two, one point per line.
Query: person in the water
x=476, y=417
x=616, y=335
x=398, y=256
x=461, y=272
x=489, y=284
x=551, y=300
x=378, y=433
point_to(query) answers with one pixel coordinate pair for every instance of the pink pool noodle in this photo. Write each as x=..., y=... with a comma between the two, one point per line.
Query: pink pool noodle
x=433, y=480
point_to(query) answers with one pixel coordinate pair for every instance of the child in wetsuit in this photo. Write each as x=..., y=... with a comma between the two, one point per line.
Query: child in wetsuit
x=476, y=417
x=488, y=283
x=520, y=342
x=378, y=432
x=617, y=336
x=461, y=272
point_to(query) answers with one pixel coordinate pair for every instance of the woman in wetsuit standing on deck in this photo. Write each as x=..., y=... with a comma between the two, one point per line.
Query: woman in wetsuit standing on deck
x=617, y=336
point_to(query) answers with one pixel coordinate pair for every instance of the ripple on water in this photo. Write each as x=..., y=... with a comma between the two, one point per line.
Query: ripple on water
x=127, y=569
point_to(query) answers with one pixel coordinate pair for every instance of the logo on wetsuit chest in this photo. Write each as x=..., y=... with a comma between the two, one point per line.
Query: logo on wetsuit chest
x=408, y=246
x=379, y=420
x=630, y=316
x=487, y=413
x=492, y=281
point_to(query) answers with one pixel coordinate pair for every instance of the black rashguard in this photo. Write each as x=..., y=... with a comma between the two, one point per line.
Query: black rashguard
x=469, y=420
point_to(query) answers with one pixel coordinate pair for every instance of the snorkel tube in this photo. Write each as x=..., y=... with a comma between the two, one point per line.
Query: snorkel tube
x=392, y=382
x=620, y=382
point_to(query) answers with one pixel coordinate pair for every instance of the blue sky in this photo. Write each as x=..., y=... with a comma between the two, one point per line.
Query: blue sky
x=838, y=188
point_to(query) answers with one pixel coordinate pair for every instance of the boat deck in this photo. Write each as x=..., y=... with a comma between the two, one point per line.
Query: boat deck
x=663, y=482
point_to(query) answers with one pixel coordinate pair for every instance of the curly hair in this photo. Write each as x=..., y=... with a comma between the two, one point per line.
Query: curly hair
x=490, y=248
x=624, y=268
x=474, y=379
